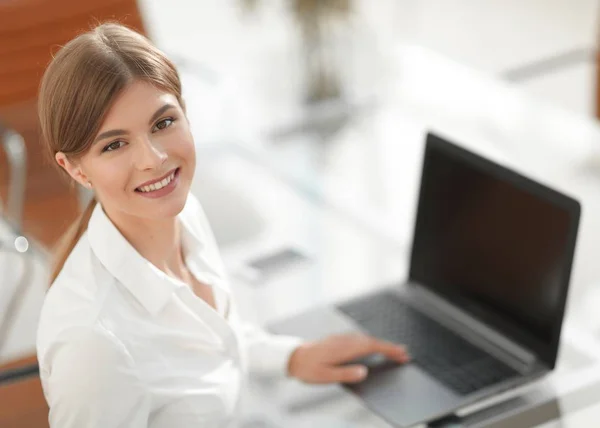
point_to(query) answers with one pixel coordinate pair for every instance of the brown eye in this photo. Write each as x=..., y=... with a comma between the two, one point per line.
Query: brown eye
x=113, y=146
x=165, y=123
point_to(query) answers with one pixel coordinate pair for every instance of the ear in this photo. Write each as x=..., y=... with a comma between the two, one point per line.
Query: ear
x=72, y=168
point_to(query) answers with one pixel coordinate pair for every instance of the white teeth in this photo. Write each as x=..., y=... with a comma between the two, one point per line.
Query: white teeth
x=158, y=185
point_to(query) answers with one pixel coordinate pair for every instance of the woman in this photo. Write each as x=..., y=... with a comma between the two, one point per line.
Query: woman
x=139, y=328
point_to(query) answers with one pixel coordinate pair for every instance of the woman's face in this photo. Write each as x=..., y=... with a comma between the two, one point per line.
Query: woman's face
x=142, y=161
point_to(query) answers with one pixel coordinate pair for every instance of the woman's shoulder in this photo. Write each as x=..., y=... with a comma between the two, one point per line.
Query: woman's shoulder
x=77, y=282
x=72, y=315
x=93, y=349
x=75, y=299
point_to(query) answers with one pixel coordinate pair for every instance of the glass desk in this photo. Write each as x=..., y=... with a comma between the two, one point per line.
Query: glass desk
x=336, y=188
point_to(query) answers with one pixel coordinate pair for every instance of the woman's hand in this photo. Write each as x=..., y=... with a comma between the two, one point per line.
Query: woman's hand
x=321, y=361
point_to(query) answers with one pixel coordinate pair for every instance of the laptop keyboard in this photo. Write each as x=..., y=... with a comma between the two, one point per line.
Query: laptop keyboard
x=443, y=354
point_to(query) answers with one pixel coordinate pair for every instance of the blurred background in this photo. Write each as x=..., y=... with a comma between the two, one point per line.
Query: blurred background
x=309, y=118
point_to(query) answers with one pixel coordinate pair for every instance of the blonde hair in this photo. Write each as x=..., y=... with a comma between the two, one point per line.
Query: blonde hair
x=78, y=88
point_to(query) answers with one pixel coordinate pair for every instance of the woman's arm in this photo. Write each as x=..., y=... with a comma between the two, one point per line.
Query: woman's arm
x=267, y=353
x=323, y=361
x=92, y=382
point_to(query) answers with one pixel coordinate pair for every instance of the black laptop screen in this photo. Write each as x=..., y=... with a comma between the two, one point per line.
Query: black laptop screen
x=495, y=243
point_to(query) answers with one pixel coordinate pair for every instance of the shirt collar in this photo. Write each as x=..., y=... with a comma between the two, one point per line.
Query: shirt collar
x=148, y=284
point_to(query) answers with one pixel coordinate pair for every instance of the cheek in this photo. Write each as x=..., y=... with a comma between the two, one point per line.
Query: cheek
x=186, y=150
x=112, y=178
x=190, y=154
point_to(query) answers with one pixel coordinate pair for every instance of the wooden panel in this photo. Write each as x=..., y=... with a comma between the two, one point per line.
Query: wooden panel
x=598, y=85
x=34, y=419
x=31, y=30
x=18, y=15
x=22, y=403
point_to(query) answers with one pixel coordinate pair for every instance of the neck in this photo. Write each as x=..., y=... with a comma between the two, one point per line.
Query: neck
x=158, y=241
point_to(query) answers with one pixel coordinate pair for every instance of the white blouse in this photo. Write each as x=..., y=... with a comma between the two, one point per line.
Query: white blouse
x=122, y=344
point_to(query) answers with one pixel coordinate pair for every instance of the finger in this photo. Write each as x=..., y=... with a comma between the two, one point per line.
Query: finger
x=345, y=374
x=363, y=345
x=390, y=350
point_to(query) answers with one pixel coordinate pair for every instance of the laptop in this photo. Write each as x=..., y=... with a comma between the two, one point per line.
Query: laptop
x=482, y=309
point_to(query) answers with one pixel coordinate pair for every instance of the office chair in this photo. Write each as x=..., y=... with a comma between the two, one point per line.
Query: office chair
x=12, y=242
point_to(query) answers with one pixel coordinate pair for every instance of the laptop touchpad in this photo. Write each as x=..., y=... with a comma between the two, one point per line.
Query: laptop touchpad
x=405, y=394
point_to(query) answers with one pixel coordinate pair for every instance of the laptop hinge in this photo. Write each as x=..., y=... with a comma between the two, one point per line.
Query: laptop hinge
x=471, y=328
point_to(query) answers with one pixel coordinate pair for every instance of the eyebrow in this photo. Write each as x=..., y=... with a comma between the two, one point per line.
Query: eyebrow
x=116, y=132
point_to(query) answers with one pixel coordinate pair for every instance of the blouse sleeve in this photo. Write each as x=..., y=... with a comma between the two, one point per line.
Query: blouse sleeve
x=92, y=382
x=267, y=353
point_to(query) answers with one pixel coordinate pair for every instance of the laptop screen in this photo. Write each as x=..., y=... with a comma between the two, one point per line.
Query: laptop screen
x=496, y=244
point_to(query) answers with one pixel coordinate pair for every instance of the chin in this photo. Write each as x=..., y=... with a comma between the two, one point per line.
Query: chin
x=168, y=209
x=176, y=207
x=158, y=209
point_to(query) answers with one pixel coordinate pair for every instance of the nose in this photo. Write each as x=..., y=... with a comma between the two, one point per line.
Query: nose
x=150, y=154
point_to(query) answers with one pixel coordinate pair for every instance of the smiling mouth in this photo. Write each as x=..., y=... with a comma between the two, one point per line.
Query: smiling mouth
x=158, y=184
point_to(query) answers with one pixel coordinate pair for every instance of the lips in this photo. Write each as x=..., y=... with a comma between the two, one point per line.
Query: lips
x=158, y=183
